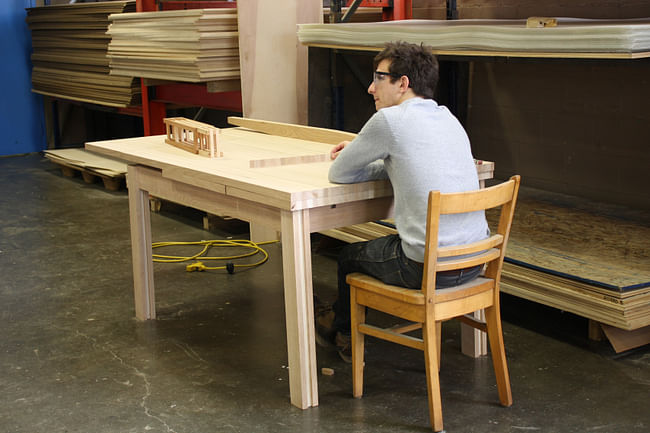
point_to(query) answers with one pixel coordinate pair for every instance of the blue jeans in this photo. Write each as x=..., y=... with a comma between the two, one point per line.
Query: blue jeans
x=384, y=259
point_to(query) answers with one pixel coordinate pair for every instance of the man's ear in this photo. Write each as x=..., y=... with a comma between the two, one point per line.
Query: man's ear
x=404, y=83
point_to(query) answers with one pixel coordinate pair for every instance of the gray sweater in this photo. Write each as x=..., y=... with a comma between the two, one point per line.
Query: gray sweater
x=420, y=146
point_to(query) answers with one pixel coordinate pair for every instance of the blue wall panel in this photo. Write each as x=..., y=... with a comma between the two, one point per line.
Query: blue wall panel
x=21, y=111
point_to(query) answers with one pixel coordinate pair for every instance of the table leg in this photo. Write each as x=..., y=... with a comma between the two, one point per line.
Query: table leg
x=140, y=219
x=472, y=341
x=298, y=298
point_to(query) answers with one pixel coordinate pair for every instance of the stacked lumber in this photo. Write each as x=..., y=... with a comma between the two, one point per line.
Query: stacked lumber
x=624, y=309
x=195, y=45
x=69, y=54
x=569, y=35
x=586, y=258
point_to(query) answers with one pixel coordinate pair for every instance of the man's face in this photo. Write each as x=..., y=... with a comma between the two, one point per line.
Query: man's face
x=385, y=93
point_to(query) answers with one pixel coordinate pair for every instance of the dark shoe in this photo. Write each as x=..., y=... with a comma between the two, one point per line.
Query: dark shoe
x=325, y=333
x=320, y=307
x=344, y=347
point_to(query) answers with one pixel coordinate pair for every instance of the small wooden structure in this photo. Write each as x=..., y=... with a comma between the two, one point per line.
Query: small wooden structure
x=193, y=136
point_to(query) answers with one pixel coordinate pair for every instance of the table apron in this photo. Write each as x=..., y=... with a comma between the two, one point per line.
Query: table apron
x=152, y=181
x=353, y=212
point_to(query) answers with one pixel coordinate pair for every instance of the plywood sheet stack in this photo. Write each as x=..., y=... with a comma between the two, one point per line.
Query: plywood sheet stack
x=569, y=35
x=69, y=53
x=196, y=45
x=586, y=258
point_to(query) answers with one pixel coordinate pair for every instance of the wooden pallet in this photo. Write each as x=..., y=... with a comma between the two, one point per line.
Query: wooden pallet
x=90, y=166
x=111, y=183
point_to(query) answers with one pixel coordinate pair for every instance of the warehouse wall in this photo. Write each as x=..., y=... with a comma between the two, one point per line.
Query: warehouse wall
x=551, y=8
x=21, y=111
x=571, y=126
x=580, y=127
x=429, y=9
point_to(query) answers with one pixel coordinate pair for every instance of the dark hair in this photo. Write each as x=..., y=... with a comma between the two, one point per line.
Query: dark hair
x=417, y=62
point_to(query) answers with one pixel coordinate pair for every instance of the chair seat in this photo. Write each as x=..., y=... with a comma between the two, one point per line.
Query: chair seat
x=366, y=282
x=415, y=296
x=407, y=303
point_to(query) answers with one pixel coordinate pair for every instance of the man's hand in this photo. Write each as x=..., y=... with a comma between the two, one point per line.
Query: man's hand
x=337, y=149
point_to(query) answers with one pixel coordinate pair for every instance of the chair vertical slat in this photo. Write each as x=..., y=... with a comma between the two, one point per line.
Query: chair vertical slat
x=431, y=239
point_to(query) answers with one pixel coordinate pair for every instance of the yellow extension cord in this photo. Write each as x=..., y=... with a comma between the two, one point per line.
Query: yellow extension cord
x=199, y=266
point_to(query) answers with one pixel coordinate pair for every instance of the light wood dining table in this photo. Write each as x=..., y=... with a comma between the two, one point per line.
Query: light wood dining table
x=276, y=183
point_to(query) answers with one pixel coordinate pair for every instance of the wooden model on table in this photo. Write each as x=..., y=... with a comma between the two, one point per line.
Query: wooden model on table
x=193, y=136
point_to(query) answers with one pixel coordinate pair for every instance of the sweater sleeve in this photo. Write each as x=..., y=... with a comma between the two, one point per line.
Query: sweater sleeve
x=363, y=158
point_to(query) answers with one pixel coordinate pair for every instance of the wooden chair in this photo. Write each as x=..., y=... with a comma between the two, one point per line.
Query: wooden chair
x=427, y=308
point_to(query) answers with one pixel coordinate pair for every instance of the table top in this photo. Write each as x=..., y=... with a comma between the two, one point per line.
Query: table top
x=261, y=167
x=269, y=169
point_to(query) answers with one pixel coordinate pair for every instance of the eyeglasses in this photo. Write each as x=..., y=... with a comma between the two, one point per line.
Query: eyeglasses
x=378, y=76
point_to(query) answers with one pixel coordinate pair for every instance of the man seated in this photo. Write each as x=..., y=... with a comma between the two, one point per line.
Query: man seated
x=420, y=146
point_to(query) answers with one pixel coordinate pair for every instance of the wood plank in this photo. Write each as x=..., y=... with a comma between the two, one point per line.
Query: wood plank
x=312, y=133
x=623, y=340
x=273, y=63
x=290, y=160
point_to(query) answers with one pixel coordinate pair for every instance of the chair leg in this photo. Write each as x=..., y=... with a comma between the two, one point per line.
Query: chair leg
x=431, y=351
x=497, y=347
x=357, y=316
x=439, y=340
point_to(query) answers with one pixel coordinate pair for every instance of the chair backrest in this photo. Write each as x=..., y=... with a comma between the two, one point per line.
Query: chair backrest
x=490, y=250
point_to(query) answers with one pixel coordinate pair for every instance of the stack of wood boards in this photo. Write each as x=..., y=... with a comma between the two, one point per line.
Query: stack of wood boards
x=195, y=45
x=69, y=54
x=570, y=35
x=589, y=259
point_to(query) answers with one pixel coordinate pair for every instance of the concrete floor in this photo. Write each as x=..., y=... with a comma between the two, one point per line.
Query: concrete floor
x=74, y=359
